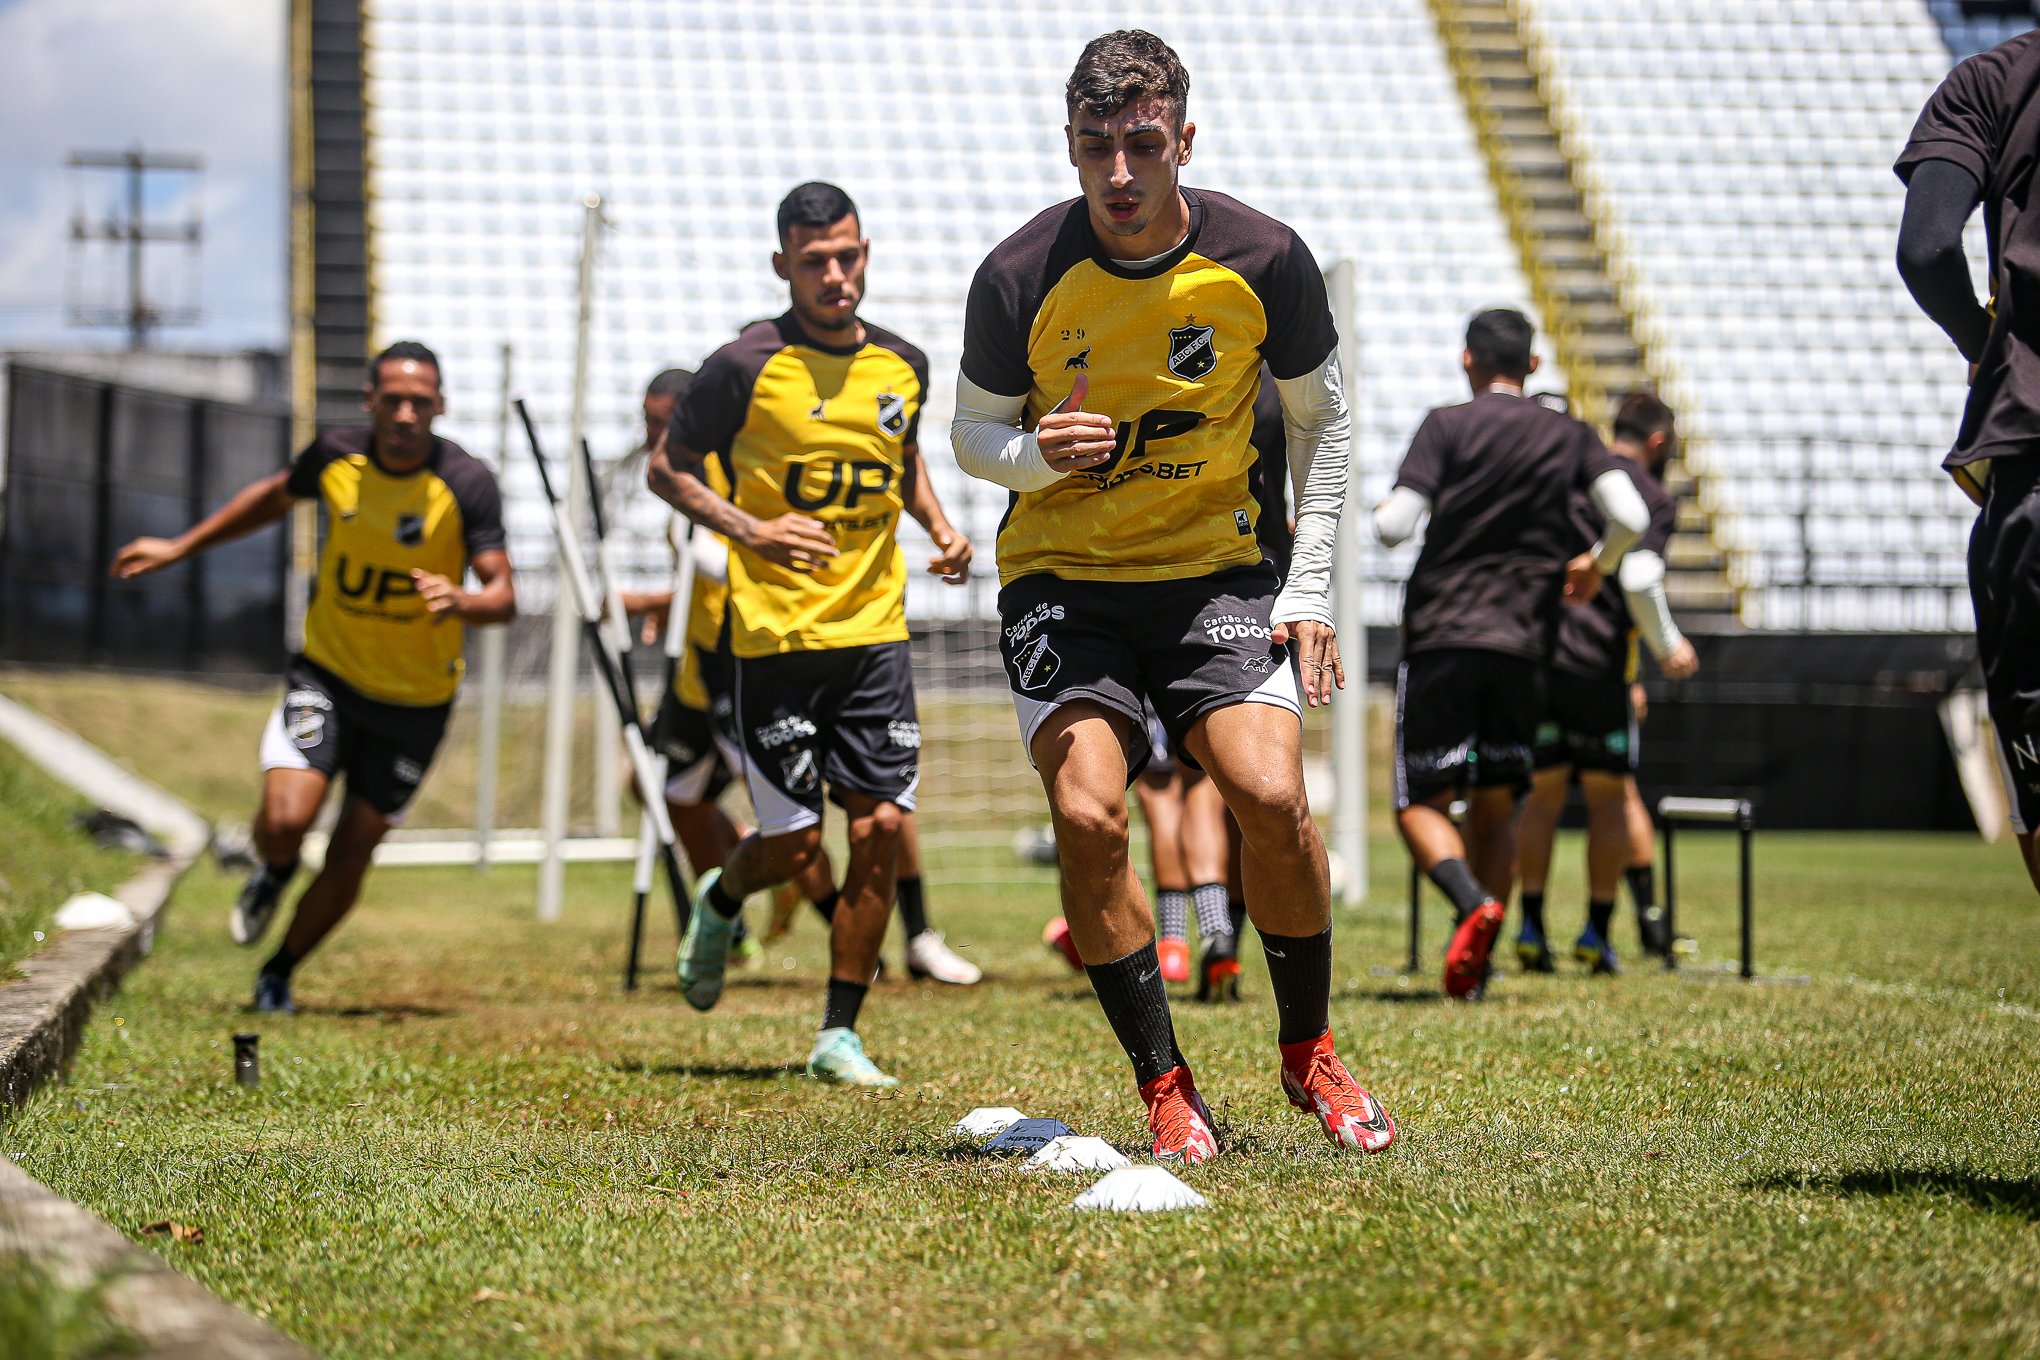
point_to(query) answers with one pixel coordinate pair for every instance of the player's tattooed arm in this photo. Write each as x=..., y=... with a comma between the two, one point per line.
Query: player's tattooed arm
x=675, y=475
x=255, y=506
x=952, y=549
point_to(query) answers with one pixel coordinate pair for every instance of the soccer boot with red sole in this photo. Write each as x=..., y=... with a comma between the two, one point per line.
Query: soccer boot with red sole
x=1056, y=935
x=1466, y=961
x=1175, y=956
x=1316, y=1082
x=1218, y=973
x=1179, y=1120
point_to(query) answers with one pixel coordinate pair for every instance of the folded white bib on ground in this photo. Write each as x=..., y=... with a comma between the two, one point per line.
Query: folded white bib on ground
x=1074, y=1152
x=1139, y=1190
x=93, y=911
x=987, y=1122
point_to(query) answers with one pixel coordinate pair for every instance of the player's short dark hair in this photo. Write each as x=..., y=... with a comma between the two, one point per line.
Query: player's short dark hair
x=404, y=349
x=673, y=382
x=1641, y=415
x=814, y=204
x=1119, y=67
x=1499, y=340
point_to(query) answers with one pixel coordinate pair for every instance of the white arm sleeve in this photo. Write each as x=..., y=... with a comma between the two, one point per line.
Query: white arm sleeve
x=711, y=555
x=1319, y=434
x=1619, y=502
x=1395, y=519
x=989, y=443
x=1643, y=585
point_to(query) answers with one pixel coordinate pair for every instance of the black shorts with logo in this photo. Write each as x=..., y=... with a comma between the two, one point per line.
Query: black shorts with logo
x=1463, y=718
x=841, y=718
x=2004, y=588
x=700, y=745
x=324, y=724
x=1587, y=724
x=1182, y=647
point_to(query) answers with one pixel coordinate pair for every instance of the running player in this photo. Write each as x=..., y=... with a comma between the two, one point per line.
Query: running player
x=813, y=418
x=1976, y=141
x=1589, y=723
x=407, y=515
x=1111, y=352
x=1497, y=475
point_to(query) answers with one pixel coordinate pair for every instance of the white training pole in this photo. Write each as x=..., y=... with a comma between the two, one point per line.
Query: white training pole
x=1349, y=714
x=608, y=784
x=674, y=642
x=493, y=646
x=565, y=669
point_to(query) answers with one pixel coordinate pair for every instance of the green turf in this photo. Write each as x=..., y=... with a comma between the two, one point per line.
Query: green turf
x=44, y=857
x=471, y=1144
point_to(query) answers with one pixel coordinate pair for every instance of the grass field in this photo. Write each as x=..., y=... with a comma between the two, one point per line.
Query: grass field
x=471, y=1144
x=44, y=858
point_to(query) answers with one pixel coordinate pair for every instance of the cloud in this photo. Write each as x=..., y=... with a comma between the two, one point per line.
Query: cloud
x=200, y=76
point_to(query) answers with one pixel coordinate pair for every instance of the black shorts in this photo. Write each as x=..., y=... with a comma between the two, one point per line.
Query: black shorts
x=2004, y=587
x=324, y=724
x=843, y=718
x=1587, y=724
x=1463, y=718
x=1182, y=647
x=700, y=744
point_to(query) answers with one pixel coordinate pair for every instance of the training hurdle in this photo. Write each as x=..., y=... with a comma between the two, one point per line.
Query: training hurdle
x=1736, y=812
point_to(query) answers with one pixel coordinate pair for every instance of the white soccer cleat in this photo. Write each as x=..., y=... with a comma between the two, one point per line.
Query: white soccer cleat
x=929, y=957
x=838, y=1059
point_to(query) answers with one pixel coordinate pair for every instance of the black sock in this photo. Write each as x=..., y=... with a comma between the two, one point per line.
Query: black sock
x=1130, y=989
x=913, y=911
x=281, y=962
x=845, y=1000
x=1300, y=971
x=1237, y=909
x=1533, y=911
x=721, y=903
x=1642, y=886
x=1213, y=920
x=280, y=874
x=825, y=905
x=1600, y=915
x=1455, y=879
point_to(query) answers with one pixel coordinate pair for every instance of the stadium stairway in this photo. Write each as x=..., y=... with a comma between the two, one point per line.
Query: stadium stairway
x=1566, y=258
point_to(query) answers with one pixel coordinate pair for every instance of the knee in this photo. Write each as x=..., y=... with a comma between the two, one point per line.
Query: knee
x=882, y=823
x=1271, y=811
x=789, y=854
x=287, y=814
x=1090, y=826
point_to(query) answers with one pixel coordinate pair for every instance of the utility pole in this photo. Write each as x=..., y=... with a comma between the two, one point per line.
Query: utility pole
x=133, y=229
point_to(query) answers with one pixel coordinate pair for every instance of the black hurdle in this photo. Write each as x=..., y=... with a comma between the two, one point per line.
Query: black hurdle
x=1735, y=812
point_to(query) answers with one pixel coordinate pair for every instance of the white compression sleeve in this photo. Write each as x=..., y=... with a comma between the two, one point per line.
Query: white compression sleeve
x=1319, y=433
x=1395, y=519
x=1642, y=577
x=1619, y=502
x=989, y=443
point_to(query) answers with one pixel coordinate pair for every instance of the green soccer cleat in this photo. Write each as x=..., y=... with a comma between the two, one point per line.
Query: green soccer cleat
x=839, y=1060
x=705, y=951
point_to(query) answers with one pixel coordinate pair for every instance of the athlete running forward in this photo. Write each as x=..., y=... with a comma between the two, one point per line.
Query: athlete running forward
x=1112, y=349
x=813, y=417
x=407, y=515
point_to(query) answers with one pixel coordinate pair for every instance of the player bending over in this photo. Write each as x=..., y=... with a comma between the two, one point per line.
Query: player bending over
x=1589, y=724
x=1112, y=348
x=1498, y=476
x=812, y=417
x=407, y=515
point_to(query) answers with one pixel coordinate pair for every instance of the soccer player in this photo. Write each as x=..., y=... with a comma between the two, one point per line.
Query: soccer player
x=1187, y=850
x=1498, y=476
x=407, y=515
x=1112, y=348
x=1976, y=142
x=1589, y=722
x=813, y=418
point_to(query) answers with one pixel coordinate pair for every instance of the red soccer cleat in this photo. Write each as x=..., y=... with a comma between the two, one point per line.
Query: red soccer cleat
x=1317, y=1082
x=1466, y=961
x=1056, y=935
x=1175, y=956
x=1178, y=1119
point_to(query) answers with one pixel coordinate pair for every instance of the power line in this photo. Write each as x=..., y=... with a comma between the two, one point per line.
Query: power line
x=134, y=230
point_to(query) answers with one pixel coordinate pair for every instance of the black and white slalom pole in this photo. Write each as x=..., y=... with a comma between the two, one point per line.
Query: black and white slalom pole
x=616, y=675
x=673, y=643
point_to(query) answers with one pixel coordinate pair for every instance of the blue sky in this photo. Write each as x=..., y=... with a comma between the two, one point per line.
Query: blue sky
x=197, y=76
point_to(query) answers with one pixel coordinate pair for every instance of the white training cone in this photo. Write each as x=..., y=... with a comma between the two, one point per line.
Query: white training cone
x=1074, y=1152
x=93, y=911
x=986, y=1122
x=1139, y=1190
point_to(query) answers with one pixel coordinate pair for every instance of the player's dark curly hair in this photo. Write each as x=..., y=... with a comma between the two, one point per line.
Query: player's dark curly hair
x=404, y=349
x=1642, y=415
x=814, y=204
x=1120, y=67
x=1499, y=340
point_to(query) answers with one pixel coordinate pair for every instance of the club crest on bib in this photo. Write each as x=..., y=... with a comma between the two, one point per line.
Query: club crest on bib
x=1037, y=665
x=892, y=413
x=1193, y=350
x=410, y=530
x=798, y=772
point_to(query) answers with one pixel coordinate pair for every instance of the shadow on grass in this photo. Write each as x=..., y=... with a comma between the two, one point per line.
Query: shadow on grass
x=735, y=1071
x=391, y=1012
x=1397, y=996
x=1995, y=1194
